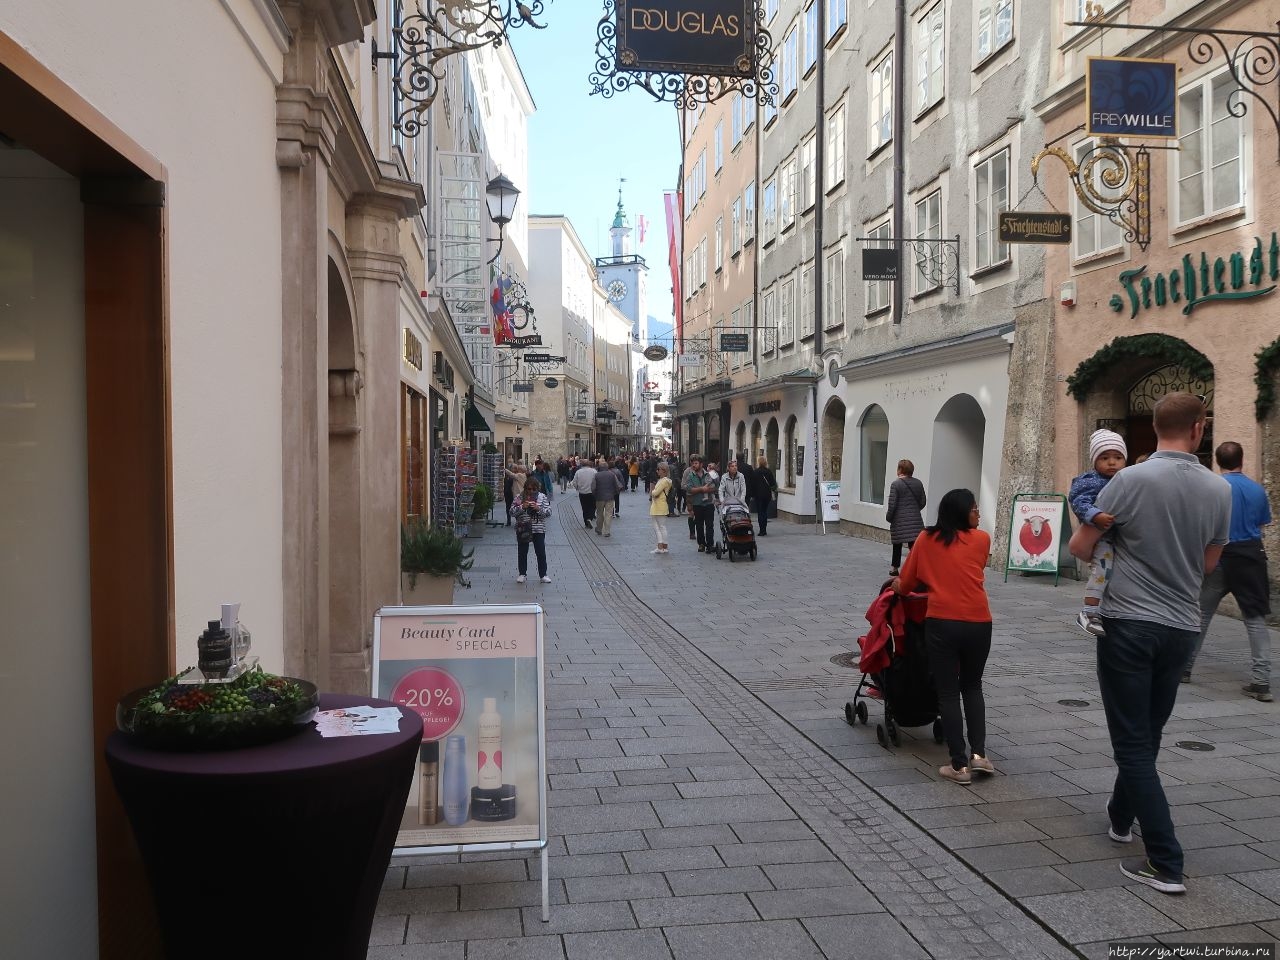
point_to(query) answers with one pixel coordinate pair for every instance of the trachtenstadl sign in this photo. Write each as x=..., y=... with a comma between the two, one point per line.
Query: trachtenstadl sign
x=1197, y=281
x=707, y=37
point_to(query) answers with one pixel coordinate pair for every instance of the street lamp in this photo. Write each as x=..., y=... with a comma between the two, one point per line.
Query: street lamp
x=501, y=196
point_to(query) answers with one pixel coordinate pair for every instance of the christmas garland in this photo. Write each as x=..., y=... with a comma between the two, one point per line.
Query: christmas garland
x=1266, y=362
x=1141, y=346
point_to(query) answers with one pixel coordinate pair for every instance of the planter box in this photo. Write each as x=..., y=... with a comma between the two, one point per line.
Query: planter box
x=476, y=530
x=427, y=590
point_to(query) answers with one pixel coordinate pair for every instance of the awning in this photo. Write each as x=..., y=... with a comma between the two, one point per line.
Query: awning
x=476, y=423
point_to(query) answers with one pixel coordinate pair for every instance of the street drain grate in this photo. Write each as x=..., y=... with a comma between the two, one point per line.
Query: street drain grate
x=1199, y=746
x=849, y=660
x=1073, y=703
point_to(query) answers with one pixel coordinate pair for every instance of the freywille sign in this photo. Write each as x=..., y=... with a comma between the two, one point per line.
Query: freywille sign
x=1197, y=282
x=1131, y=97
x=706, y=37
x=1019, y=227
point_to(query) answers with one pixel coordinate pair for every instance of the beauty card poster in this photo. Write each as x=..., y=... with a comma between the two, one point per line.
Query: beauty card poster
x=474, y=675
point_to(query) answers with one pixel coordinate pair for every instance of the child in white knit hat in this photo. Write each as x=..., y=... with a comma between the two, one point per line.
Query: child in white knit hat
x=1108, y=454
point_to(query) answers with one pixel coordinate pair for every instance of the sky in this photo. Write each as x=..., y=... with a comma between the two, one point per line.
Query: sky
x=581, y=144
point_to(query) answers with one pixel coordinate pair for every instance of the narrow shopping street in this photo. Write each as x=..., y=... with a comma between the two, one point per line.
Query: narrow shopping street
x=708, y=800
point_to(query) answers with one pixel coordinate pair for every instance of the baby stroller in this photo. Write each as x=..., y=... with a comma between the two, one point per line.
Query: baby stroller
x=895, y=668
x=737, y=535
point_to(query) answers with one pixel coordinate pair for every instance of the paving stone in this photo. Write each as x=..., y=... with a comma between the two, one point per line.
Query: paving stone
x=587, y=865
x=579, y=917
x=571, y=781
x=781, y=851
x=936, y=817
x=718, y=880
x=586, y=843
x=1093, y=846
x=1198, y=835
x=630, y=887
x=1031, y=881
x=762, y=940
x=1100, y=914
x=388, y=930
x=417, y=900
x=1096, y=874
x=474, y=924
x=617, y=945
x=641, y=792
x=592, y=765
x=792, y=876
x=1212, y=901
x=419, y=951
x=601, y=818
x=847, y=938
x=1240, y=933
x=1251, y=809
x=516, y=948
x=767, y=830
x=635, y=778
x=452, y=874
x=572, y=798
x=682, y=911
x=1219, y=860
x=1265, y=882
x=847, y=898
x=985, y=834
x=680, y=858
x=700, y=836
x=723, y=788
x=522, y=893
x=1028, y=809
x=1010, y=856
x=684, y=813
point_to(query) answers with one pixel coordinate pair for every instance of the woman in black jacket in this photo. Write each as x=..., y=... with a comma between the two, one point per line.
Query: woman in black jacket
x=906, y=504
x=764, y=487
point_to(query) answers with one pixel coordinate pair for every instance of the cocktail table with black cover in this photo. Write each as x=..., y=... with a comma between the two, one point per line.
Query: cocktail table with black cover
x=276, y=850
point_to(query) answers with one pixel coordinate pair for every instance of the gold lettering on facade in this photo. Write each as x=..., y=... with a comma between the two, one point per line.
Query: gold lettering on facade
x=690, y=22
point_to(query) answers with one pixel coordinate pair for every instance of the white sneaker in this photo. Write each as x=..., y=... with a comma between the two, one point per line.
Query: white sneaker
x=546, y=579
x=1091, y=623
x=655, y=550
x=520, y=579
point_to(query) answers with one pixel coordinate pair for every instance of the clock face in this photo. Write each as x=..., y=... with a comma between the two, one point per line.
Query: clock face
x=617, y=290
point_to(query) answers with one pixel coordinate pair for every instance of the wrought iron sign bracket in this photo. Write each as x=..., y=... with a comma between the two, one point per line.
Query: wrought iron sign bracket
x=1252, y=59
x=1112, y=183
x=436, y=30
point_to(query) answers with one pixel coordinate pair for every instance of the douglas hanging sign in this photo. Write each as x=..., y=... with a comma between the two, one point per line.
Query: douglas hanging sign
x=1129, y=97
x=705, y=37
x=1197, y=281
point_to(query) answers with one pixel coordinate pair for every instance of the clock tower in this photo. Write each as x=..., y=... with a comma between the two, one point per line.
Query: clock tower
x=624, y=276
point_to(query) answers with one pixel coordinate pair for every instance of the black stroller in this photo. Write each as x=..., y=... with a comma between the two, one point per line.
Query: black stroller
x=895, y=669
x=737, y=534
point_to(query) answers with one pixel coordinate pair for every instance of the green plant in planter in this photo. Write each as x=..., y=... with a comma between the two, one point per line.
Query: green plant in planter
x=490, y=448
x=433, y=551
x=481, y=501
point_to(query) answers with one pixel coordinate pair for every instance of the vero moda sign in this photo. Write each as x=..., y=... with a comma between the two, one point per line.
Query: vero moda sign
x=1131, y=97
x=702, y=37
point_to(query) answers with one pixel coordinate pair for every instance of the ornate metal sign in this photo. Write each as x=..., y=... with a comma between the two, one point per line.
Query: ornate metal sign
x=655, y=353
x=1111, y=181
x=1018, y=226
x=1131, y=97
x=686, y=51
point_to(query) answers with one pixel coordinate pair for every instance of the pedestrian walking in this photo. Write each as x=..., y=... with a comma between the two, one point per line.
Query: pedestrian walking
x=1172, y=519
x=516, y=475
x=1242, y=572
x=700, y=497
x=531, y=509
x=949, y=560
x=619, y=468
x=765, y=490
x=1107, y=456
x=676, y=474
x=659, y=507
x=633, y=473
x=542, y=473
x=606, y=487
x=584, y=479
x=905, y=512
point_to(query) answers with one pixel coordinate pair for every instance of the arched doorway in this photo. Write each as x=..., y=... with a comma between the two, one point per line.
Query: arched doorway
x=757, y=450
x=740, y=442
x=1139, y=434
x=832, y=439
x=873, y=454
x=959, y=431
x=344, y=554
x=713, y=438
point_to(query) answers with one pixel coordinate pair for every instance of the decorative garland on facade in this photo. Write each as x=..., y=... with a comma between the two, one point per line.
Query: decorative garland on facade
x=1267, y=363
x=1143, y=345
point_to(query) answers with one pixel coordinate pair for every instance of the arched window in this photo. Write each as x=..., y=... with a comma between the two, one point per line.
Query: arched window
x=873, y=462
x=789, y=447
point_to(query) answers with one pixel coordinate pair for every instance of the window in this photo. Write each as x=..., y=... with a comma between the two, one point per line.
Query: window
x=787, y=200
x=811, y=34
x=1209, y=160
x=735, y=322
x=719, y=244
x=748, y=112
x=749, y=322
x=789, y=68
x=995, y=26
x=837, y=16
x=881, y=92
x=1092, y=233
x=929, y=51
x=719, y=145
x=769, y=217
x=787, y=314
x=808, y=173
x=769, y=332
x=873, y=438
x=928, y=256
x=701, y=257
x=808, y=302
x=735, y=228
x=770, y=111
x=833, y=291
x=770, y=9
x=790, y=442
x=748, y=213
x=736, y=119
x=834, y=159
x=990, y=198
x=878, y=291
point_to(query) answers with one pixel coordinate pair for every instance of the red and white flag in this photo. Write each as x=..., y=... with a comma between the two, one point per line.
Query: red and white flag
x=642, y=224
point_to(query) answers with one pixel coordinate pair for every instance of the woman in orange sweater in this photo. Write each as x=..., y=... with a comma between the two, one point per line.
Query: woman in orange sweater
x=948, y=561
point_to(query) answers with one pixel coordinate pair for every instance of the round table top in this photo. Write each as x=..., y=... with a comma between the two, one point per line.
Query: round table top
x=305, y=750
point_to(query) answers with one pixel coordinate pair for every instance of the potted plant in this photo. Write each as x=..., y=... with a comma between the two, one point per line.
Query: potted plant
x=432, y=561
x=481, y=504
x=490, y=448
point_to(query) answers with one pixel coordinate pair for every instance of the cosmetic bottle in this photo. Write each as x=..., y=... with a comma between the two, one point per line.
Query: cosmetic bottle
x=429, y=784
x=455, y=780
x=489, y=757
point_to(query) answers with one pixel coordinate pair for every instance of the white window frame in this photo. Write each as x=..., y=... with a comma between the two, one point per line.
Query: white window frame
x=1206, y=89
x=808, y=173
x=789, y=69
x=787, y=196
x=880, y=102
x=748, y=107
x=808, y=301
x=834, y=158
x=988, y=252
x=926, y=256
x=748, y=213
x=931, y=42
x=770, y=10
x=878, y=294
x=812, y=36
x=837, y=17
x=735, y=227
x=833, y=303
x=1102, y=235
x=992, y=16
x=719, y=145
x=735, y=119
x=719, y=238
x=768, y=331
x=769, y=210
x=787, y=313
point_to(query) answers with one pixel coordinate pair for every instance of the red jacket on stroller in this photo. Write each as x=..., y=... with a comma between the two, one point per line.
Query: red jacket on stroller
x=888, y=615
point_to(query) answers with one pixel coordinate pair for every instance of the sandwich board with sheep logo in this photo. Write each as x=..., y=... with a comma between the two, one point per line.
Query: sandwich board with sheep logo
x=1038, y=534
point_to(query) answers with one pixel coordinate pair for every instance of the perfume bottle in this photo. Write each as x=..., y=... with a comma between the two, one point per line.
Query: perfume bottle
x=489, y=757
x=429, y=784
x=455, y=780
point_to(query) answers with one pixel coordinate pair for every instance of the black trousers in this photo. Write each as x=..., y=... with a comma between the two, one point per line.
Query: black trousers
x=897, y=553
x=703, y=518
x=958, y=652
x=588, y=501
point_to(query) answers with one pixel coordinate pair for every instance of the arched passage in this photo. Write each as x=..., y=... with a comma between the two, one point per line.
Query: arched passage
x=959, y=430
x=343, y=509
x=712, y=427
x=740, y=442
x=832, y=439
x=773, y=451
x=873, y=454
x=757, y=448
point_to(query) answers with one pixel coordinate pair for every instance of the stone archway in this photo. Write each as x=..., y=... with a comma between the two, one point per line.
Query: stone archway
x=757, y=449
x=740, y=443
x=773, y=451
x=959, y=431
x=873, y=454
x=712, y=427
x=833, y=417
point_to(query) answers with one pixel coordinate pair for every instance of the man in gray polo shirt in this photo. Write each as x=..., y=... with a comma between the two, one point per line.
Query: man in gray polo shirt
x=1172, y=517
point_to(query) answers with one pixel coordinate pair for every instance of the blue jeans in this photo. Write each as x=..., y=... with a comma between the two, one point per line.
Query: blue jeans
x=1139, y=667
x=539, y=542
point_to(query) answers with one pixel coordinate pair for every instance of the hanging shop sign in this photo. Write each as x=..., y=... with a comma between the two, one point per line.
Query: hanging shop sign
x=1132, y=97
x=704, y=37
x=651, y=395
x=764, y=406
x=879, y=264
x=412, y=350
x=526, y=387
x=735, y=343
x=1195, y=282
x=537, y=358
x=603, y=413
x=655, y=353
x=1019, y=227
x=691, y=360
x=531, y=340
x=660, y=408
x=1038, y=534
x=551, y=383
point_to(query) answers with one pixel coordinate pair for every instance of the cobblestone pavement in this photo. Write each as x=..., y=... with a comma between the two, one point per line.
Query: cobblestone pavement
x=709, y=800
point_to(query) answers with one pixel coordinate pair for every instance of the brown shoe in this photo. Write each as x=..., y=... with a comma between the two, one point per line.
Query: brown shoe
x=948, y=772
x=980, y=764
